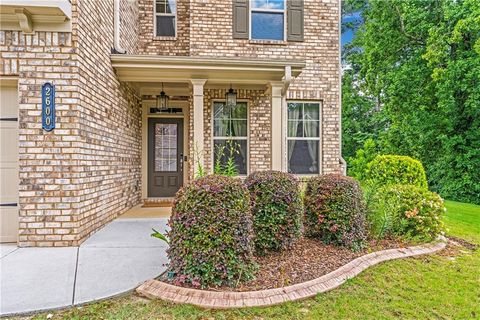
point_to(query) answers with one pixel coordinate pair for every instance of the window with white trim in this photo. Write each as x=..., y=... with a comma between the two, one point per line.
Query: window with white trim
x=165, y=18
x=267, y=20
x=303, y=137
x=230, y=135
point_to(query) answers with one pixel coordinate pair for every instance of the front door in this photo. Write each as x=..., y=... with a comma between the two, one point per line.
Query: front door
x=165, y=156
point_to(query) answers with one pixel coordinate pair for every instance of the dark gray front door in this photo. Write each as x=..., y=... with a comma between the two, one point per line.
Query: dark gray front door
x=165, y=156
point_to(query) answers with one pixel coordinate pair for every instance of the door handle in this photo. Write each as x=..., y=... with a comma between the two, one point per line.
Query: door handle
x=181, y=162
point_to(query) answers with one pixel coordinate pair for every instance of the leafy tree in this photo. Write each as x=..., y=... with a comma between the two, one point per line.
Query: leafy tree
x=413, y=86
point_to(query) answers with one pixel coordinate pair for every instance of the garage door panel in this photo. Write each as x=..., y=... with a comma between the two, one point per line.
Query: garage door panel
x=8, y=164
x=9, y=178
x=8, y=142
x=8, y=224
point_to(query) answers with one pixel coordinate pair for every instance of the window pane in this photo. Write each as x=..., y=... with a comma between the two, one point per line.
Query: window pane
x=267, y=26
x=220, y=111
x=230, y=123
x=166, y=6
x=220, y=127
x=312, y=111
x=303, y=156
x=240, y=111
x=311, y=129
x=295, y=111
x=160, y=6
x=295, y=129
x=165, y=26
x=165, y=147
x=171, y=6
x=224, y=149
x=268, y=4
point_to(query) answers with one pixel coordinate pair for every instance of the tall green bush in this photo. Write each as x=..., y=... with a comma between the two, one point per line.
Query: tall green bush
x=211, y=236
x=407, y=211
x=276, y=208
x=335, y=211
x=392, y=169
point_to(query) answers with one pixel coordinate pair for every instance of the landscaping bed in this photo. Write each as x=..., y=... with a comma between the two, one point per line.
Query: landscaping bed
x=308, y=259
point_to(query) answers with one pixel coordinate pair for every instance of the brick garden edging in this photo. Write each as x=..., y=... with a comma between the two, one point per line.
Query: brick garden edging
x=224, y=300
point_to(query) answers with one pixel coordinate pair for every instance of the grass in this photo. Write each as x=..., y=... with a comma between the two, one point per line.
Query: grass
x=440, y=286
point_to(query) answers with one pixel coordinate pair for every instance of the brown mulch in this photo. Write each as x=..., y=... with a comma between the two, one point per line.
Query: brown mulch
x=306, y=260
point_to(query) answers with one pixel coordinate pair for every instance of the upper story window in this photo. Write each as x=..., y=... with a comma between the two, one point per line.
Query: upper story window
x=267, y=19
x=277, y=20
x=303, y=137
x=165, y=18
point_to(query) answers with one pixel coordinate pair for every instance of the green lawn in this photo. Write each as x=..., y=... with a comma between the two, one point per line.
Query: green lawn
x=440, y=286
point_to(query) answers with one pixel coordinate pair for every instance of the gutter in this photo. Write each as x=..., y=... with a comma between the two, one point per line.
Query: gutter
x=117, y=48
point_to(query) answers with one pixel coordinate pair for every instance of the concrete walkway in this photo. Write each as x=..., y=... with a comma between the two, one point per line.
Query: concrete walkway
x=114, y=260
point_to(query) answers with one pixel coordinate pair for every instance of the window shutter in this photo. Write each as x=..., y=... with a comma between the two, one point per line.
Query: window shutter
x=240, y=19
x=295, y=20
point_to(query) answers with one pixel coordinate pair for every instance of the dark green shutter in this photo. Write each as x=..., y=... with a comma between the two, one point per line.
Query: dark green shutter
x=240, y=19
x=295, y=20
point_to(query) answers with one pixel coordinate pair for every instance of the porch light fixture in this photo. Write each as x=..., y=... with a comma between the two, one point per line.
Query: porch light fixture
x=162, y=100
x=231, y=98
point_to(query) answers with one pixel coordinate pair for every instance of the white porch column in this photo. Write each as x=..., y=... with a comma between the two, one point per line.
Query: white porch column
x=198, y=124
x=277, y=143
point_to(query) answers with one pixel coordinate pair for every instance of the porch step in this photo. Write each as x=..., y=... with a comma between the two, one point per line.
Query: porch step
x=159, y=202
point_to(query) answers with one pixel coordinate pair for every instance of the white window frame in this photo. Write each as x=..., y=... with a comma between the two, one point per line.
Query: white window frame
x=213, y=137
x=319, y=138
x=284, y=11
x=156, y=14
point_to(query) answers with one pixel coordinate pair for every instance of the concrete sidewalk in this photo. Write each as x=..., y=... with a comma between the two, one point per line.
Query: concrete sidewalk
x=114, y=260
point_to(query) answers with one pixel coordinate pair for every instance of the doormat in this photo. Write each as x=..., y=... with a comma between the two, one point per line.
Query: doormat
x=158, y=203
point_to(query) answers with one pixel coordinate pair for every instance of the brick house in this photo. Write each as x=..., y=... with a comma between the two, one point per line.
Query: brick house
x=86, y=133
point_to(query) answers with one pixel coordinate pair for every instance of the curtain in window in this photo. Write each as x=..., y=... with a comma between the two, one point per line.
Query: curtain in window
x=293, y=114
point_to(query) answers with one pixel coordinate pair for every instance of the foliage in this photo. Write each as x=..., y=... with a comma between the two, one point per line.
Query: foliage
x=412, y=84
x=357, y=166
x=227, y=151
x=407, y=211
x=159, y=235
x=392, y=169
x=276, y=209
x=198, y=156
x=335, y=210
x=211, y=237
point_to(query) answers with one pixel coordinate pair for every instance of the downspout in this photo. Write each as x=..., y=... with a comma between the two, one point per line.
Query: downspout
x=342, y=161
x=116, y=28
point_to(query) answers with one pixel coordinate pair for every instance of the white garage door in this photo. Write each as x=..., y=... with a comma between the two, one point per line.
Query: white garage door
x=8, y=162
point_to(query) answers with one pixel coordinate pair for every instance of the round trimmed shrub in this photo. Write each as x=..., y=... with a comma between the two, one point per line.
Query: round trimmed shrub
x=335, y=210
x=211, y=236
x=407, y=211
x=392, y=169
x=276, y=209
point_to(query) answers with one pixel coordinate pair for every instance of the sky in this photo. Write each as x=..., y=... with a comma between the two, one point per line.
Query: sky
x=348, y=34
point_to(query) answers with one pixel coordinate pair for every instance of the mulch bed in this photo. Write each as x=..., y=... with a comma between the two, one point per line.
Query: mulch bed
x=306, y=260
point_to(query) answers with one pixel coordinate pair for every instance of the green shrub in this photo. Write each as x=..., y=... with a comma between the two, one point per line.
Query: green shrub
x=392, y=169
x=407, y=211
x=276, y=208
x=211, y=236
x=335, y=210
x=357, y=166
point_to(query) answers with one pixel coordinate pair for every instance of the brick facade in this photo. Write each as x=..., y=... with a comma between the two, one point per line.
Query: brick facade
x=87, y=171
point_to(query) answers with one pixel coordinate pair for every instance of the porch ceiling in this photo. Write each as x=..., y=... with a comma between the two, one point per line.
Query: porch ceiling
x=142, y=68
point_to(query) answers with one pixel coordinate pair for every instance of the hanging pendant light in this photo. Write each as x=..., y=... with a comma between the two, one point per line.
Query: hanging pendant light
x=231, y=98
x=162, y=101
